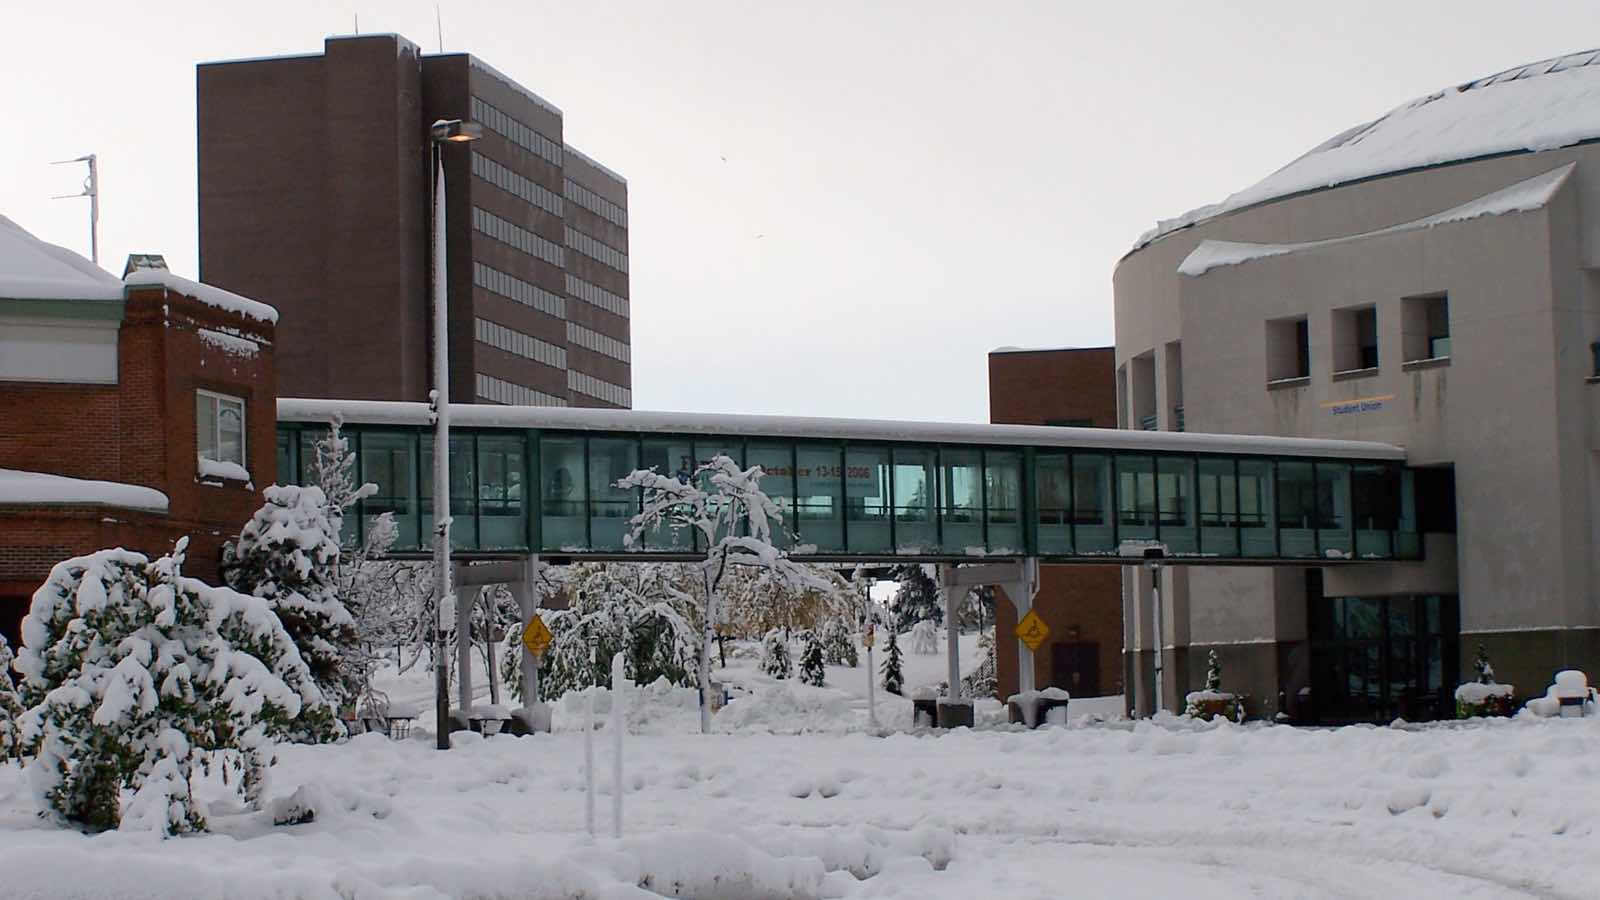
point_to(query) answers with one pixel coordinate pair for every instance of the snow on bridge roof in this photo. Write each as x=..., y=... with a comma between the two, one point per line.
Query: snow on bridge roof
x=19, y=487
x=1539, y=106
x=376, y=412
x=31, y=269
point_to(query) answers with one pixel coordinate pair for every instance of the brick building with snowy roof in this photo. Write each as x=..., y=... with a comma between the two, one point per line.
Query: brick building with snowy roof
x=133, y=412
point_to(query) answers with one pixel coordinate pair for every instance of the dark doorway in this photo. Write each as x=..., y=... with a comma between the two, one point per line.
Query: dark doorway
x=12, y=609
x=1374, y=659
x=1075, y=668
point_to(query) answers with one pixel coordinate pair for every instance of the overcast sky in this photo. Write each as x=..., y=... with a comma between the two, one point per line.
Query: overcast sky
x=835, y=208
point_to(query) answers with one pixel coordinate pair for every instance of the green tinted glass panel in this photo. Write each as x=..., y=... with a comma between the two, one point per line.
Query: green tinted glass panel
x=1092, y=511
x=389, y=461
x=915, y=488
x=562, y=508
x=674, y=458
x=820, y=501
x=1136, y=498
x=1258, y=533
x=1297, y=509
x=1002, y=495
x=961, y=506
x=1052, y=480
x=1217, y=501
x=1334, y=536
x=611, y=508
x=1175, y=504
x=866, y=486
x=777, y=482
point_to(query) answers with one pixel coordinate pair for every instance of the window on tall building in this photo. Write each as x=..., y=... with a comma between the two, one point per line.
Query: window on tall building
x=1288, y=349
x=1355, y=339
x=1425, y=327
x=219, y=431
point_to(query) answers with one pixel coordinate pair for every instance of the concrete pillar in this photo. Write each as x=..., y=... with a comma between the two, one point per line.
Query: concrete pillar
x=952, y=632
x=1021, y=593
x=465, y=597
x=526, y=592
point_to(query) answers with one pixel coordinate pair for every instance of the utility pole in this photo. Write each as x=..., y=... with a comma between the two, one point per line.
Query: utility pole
x=91, y=189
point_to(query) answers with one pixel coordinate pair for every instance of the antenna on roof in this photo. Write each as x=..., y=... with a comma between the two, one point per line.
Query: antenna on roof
x=91, y=189
x=438, y=20
x=358, y=22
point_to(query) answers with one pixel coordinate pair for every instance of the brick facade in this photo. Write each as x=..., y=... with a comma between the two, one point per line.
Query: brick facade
x=1082, y=604
x=138, y=431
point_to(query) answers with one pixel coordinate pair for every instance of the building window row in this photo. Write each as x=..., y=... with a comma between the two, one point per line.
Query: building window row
x=497, y=390
x=599, y=343
x=600, y=206
x=597, y=250
x=517, y=133
x=513, y=288
x=584, y=383
x=512, y=183
x=594, y=295
x=518, y=237
x=524, y=345
x=1354, y=341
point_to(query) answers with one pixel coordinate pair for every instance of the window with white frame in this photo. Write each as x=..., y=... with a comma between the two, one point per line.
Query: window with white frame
x=219, y=429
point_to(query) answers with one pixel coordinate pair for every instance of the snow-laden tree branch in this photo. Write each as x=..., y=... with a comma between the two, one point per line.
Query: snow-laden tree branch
x=733, y=519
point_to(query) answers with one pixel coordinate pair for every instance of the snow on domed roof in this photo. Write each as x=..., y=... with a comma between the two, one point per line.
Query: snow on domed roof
x=1539, y=106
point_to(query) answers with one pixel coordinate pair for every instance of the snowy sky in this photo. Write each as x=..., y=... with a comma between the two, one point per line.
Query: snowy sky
x=886, y=190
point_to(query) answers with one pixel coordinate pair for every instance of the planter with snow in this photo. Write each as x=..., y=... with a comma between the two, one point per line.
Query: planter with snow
x=1209, y=704
x=925, y=707
x=1484, y=697
x=1213, y=702
x=1570, y=696
x=954, y=713
x=1477, y=700
x=1035, y=708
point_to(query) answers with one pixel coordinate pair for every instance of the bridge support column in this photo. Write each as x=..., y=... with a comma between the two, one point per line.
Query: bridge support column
x=952, y=630
x=465, y=598
x=1021, y=593
x=524, y=589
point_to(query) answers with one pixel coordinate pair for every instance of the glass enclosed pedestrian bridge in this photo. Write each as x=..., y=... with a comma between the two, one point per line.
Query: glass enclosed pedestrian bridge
x=540, y=480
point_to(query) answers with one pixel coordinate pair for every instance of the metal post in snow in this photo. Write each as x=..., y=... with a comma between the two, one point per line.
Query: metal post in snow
x=1155, y=623
x=619, y=686
x=952, y=636
x=441, y=457
x=588, y=754
x=872, y=702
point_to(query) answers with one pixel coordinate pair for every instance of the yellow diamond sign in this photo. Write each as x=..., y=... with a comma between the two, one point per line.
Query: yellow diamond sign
x=536, y=635
x=1032, y=630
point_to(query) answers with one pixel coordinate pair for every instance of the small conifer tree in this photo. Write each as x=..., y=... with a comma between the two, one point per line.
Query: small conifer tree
x=1213, y=673
x=1484, y=668
x=839, y=645
x=894, y=676
x=10, y=705
x=811, y=661
x=775, y=660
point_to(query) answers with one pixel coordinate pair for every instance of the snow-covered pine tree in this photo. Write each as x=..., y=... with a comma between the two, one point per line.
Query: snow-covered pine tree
x=839, y=644
x=917, y=599
x=10, y=704
x=894, y=676
x=812, y=669
x=924, y=638
x=1483, y=667
x=631, y=608
x=1213, y=672
x=775, y=661
x=335, y=472
x=287, y=555
x=134, y=676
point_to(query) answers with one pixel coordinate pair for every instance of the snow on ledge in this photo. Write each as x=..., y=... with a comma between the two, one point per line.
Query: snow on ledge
x=478, y=415
x=18, y=487
x=205, y=293
x=1523, y=196
x=210, y=468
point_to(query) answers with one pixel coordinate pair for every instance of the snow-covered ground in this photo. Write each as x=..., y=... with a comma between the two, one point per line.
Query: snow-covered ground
x=1501, y=808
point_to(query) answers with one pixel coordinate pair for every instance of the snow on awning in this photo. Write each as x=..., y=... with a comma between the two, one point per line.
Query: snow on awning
x=31, y=269
x=1524, y=196
x=38, y=488
x=1540, y=106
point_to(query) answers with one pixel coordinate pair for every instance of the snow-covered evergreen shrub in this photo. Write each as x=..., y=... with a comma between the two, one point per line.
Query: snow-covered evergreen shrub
x=1485, y=696
x=10, y=704
x=894, y=676
x=924, y=638
x=917, y=597
x=1213, y=701
x=287, y=555
x=627, y=608
x=982, y=681
x=775, y=661
x=839, y=644
x=812, y=669
x=134, y=676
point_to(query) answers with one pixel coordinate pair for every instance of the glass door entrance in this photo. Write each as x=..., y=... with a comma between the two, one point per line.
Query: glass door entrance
x=1376, y=659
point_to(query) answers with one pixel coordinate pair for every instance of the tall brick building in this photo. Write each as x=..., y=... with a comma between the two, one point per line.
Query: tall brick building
x=315, y=196
x=135, y=412
x=1082, y=604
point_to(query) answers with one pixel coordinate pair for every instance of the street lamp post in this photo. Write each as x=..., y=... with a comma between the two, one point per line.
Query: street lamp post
x=442, y=131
